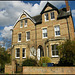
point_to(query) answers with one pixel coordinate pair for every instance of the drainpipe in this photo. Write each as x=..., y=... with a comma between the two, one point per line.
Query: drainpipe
x=36, y=40
x=68, y=28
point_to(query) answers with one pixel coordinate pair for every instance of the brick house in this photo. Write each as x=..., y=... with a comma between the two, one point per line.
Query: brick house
x=42, y=33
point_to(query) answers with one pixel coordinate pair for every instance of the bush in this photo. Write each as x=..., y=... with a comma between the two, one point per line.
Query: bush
x=67, y=53
x=44, y=60
x=29, y=62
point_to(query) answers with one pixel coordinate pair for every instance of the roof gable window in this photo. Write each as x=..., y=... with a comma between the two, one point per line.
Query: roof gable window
x=46, y=17
x=52, y=15
x=25, y=23
x=21, y=25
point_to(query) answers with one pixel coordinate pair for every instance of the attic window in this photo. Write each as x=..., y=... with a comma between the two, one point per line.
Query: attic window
x=25, y=23
x=52, y=15
x=21, y=24
x=46, y=17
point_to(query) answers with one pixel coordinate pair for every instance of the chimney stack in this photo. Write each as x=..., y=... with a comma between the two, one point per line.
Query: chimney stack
x=67, y=5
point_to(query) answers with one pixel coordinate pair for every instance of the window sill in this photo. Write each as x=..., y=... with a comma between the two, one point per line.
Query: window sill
x=46, y=20
x=23, y=57
x=44, y=37
x=57, y=35
x=21, y=27
x=25, y=25
x=27, y=40
x=19, y=41
x=53, y=19
x=17, y=57
x=55, y=56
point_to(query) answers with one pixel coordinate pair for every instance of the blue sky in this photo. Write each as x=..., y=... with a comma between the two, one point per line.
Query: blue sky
x=11, y=10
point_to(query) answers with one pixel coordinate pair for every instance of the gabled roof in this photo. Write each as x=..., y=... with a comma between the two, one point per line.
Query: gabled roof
x=50, y=5
x=27, y=16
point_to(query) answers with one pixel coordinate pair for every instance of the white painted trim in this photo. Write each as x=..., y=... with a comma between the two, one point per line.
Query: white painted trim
x=15, y=53
x=50, y=16
x=51, y=50
x=26, y=35
x=42, y=33
x=25, y=52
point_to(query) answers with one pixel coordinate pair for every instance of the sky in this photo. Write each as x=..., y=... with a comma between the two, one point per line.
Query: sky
x=11, y=10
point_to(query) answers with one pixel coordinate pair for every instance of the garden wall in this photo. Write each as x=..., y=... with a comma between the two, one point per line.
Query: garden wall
x=48, y=70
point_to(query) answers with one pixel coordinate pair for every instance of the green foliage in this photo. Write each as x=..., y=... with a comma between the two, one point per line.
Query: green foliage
x=44, y=60
x=67, y=53
x=4, y=58
x=29, y=62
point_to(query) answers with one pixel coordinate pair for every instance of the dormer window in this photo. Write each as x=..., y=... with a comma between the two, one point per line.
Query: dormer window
x=25, y=23
x=52, y=15
x=46, y=17
x=21, y=24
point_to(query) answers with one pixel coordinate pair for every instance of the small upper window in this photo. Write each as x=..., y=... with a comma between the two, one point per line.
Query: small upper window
x=23, y=53
x=27, y=36
x=19, y=37
x=46, y=17
x=57, y=30
x=25, y=23
x=44, y=32
x=21, y=24
x=52, y=15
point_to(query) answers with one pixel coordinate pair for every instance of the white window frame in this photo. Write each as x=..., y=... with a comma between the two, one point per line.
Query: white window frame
x=46, y=16
x=56, y=30
x=16, y=53
x=52, y=15
x=22, y=52
x=18, y=38
x=51, y=51
x=25, y=25
x=42, y=33
x=21, y=24
x=26, y=36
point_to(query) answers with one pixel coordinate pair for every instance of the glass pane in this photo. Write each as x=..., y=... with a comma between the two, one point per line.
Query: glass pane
x=53, y=53
x=52, y=47
x=28, y=35
x=56, y=52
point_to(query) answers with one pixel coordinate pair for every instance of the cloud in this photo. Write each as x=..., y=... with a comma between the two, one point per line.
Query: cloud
x=73, y=13
x=6, y=33
x=10, y=10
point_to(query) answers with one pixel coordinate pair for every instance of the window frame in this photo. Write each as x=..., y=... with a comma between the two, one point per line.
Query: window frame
x=18, y=38
x=26, y=36
x=24, y=53
x=46, y=17
x=25, y=25
x=21, y=24
x=56, y=31
x=16, y=53
x=54, y=50
x=52, y=16
x=44, y=33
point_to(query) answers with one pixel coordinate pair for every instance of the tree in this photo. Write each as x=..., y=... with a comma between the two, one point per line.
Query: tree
x=67, y=53
x=4, y=57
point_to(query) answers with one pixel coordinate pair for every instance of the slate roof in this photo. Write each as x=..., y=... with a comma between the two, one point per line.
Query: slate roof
x=62, y=14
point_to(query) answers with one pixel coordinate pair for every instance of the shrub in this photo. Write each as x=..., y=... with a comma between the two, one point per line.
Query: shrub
x=67, y=53
x=29, y=62
x=44, y=60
